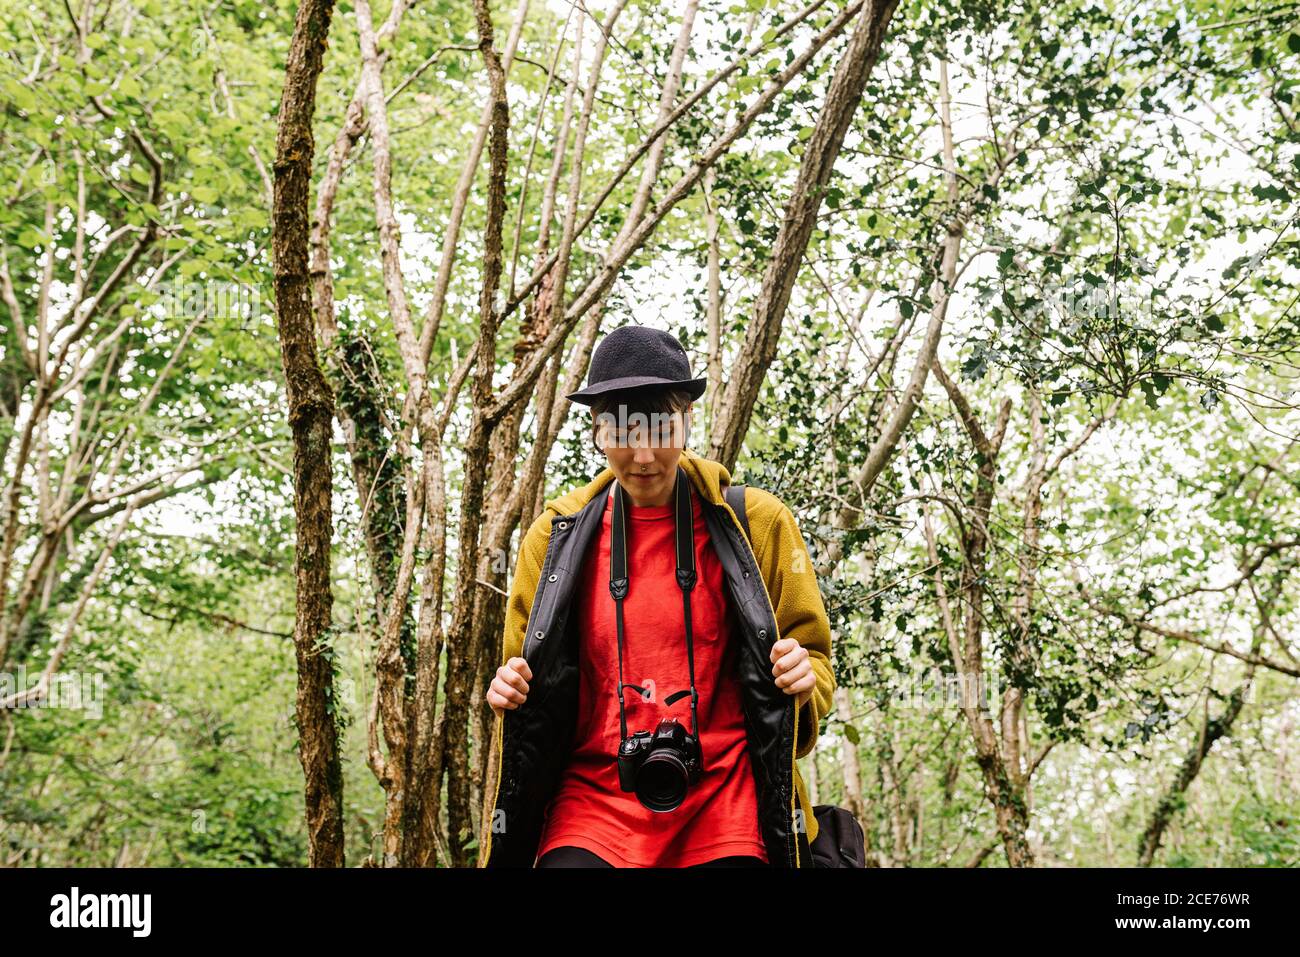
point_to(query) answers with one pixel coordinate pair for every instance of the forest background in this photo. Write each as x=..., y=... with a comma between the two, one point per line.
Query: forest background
x=999, y=297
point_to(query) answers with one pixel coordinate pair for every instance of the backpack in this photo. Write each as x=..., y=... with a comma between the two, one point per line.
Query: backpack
x=840, y=839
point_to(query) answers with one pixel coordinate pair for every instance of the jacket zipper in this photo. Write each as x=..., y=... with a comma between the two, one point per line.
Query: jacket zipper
x=496, y=793
x=795, y=742
x=501, y=718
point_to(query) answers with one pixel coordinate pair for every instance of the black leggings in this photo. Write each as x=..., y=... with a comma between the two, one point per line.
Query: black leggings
x=569, y=856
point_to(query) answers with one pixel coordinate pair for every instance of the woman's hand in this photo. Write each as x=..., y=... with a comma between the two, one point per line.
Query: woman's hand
x=793, y=671
x=509, y=689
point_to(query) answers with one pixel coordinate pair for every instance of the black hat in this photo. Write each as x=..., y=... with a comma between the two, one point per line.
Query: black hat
x=631, y=357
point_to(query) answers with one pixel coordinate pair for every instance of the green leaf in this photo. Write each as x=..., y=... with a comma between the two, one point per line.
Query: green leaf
x=1271, y=192
x=21, y=96
x=31, y=237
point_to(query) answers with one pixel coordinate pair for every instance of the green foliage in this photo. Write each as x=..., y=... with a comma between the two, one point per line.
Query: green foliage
x=1125, y=187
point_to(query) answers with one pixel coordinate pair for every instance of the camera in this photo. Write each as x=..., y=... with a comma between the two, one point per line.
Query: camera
x=659, y=765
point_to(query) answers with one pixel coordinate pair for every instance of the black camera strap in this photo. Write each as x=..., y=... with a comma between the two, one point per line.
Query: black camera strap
x=684, y=519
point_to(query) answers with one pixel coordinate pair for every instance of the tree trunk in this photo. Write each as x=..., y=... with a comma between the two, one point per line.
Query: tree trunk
x=1172, y=801
x=764, y=332
x=311, y=415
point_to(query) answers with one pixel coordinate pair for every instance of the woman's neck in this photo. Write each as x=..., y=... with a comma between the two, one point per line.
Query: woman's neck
x=668, y=498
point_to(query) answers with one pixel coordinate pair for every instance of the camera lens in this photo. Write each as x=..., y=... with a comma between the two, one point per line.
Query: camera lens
x=661, y=781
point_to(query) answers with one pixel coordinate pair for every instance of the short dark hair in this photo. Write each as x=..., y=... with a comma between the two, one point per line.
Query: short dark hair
x=646, y=401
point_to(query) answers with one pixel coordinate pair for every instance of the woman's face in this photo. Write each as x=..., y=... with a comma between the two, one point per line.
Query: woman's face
x=643, y=452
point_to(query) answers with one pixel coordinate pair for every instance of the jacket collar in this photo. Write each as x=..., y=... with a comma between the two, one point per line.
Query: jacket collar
x=708, y=477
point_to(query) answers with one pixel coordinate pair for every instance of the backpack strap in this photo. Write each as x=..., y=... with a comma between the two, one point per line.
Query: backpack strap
x=736, y=499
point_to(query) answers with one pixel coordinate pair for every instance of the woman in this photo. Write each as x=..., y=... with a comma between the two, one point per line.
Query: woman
x=753, y=686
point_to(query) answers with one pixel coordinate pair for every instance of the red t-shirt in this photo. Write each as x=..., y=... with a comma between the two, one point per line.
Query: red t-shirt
x=719, y=817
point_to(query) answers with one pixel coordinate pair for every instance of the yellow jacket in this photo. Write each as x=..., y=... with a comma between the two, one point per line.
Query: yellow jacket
x=530, y=742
